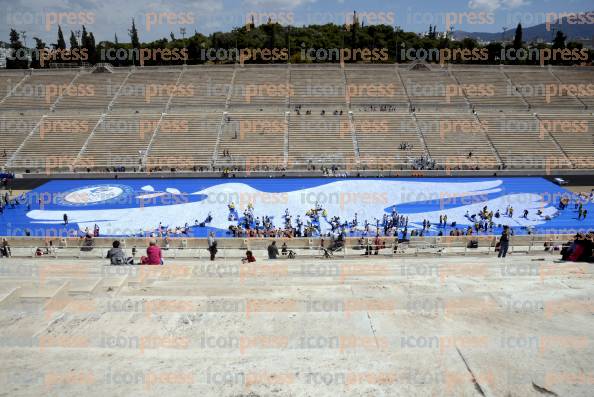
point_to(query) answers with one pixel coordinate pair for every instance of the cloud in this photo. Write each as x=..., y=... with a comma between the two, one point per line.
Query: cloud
x=108, y=17
x=493, y=5
x=278, y=4
x=510, y=4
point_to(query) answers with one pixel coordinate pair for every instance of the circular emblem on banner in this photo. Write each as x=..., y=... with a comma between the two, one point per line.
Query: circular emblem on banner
x=89, y=195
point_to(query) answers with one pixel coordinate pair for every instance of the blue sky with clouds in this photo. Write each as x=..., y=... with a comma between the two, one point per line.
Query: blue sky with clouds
x=157, y=18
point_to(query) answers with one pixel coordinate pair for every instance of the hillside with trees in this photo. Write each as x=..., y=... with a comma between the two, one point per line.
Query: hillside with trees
x=273, y=35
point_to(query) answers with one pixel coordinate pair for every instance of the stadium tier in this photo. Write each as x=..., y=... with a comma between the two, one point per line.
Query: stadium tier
x=96, y=93
x=246, y=134
x=521, y=138
x=451, y=137
x=56, y=136
x=371, y=84
x=375, y=139
x=496, y=93
x=535, y=87
x=39, y=91
x=205, y=88
x=184, y=141
x=313, y=85
x=358, y=116
x=266, y=86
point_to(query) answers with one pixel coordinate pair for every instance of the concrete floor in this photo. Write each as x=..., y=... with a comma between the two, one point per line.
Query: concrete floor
x=464, y=326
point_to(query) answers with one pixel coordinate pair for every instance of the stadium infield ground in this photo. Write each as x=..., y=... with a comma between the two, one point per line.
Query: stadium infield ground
x=139, y=207
x=464, y=326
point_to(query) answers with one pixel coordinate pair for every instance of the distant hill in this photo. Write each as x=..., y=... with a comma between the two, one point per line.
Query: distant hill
x=573, y=31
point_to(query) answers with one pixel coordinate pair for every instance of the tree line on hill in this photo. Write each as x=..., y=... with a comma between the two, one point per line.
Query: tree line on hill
x=273, y=35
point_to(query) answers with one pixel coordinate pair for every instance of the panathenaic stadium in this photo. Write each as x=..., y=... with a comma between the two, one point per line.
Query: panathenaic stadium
x=296, y=230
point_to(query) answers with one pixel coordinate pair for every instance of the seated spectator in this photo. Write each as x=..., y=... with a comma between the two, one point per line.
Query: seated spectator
x=368, y=248
x=154, y=255
x=117, y=256
x=284, y=249
x=5, y=249
x=212, y=246
x=378, y=244
x=580, y=250
x=337, y=244
x=550, y=246
x=88, y=243
x=272, y=250
x=249, y=257
x=395, y=246
x=49, y=248
x=360, y=243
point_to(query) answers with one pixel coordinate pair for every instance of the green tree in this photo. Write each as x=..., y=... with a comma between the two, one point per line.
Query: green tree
x=354, y=30
x=134, y=35
x=84, y=39
x=272, y=27
x=469, y=43
x=19, y=57
x=559, y=40
x=61, y=43
x=194, y=46
x=73, y=40
x=389, y=39
x=88, y=44
x=134, y=40
x=518, y=37
x=15, y=40
x=39, y=45
x=494, y=50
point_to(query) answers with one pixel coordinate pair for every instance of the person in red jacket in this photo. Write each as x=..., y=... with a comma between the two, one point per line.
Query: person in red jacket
x=154, y=255
x=249, y=257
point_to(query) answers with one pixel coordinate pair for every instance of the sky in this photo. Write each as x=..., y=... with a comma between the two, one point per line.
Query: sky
x=157, y=18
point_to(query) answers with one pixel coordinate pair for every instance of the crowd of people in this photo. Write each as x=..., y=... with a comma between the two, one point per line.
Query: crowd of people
x=298, y=108
x=378, y=108
x=405, y=146
x=423, y=163
x=578, y=250
x=317, y=222
x=117, y=256
x=7, y=201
